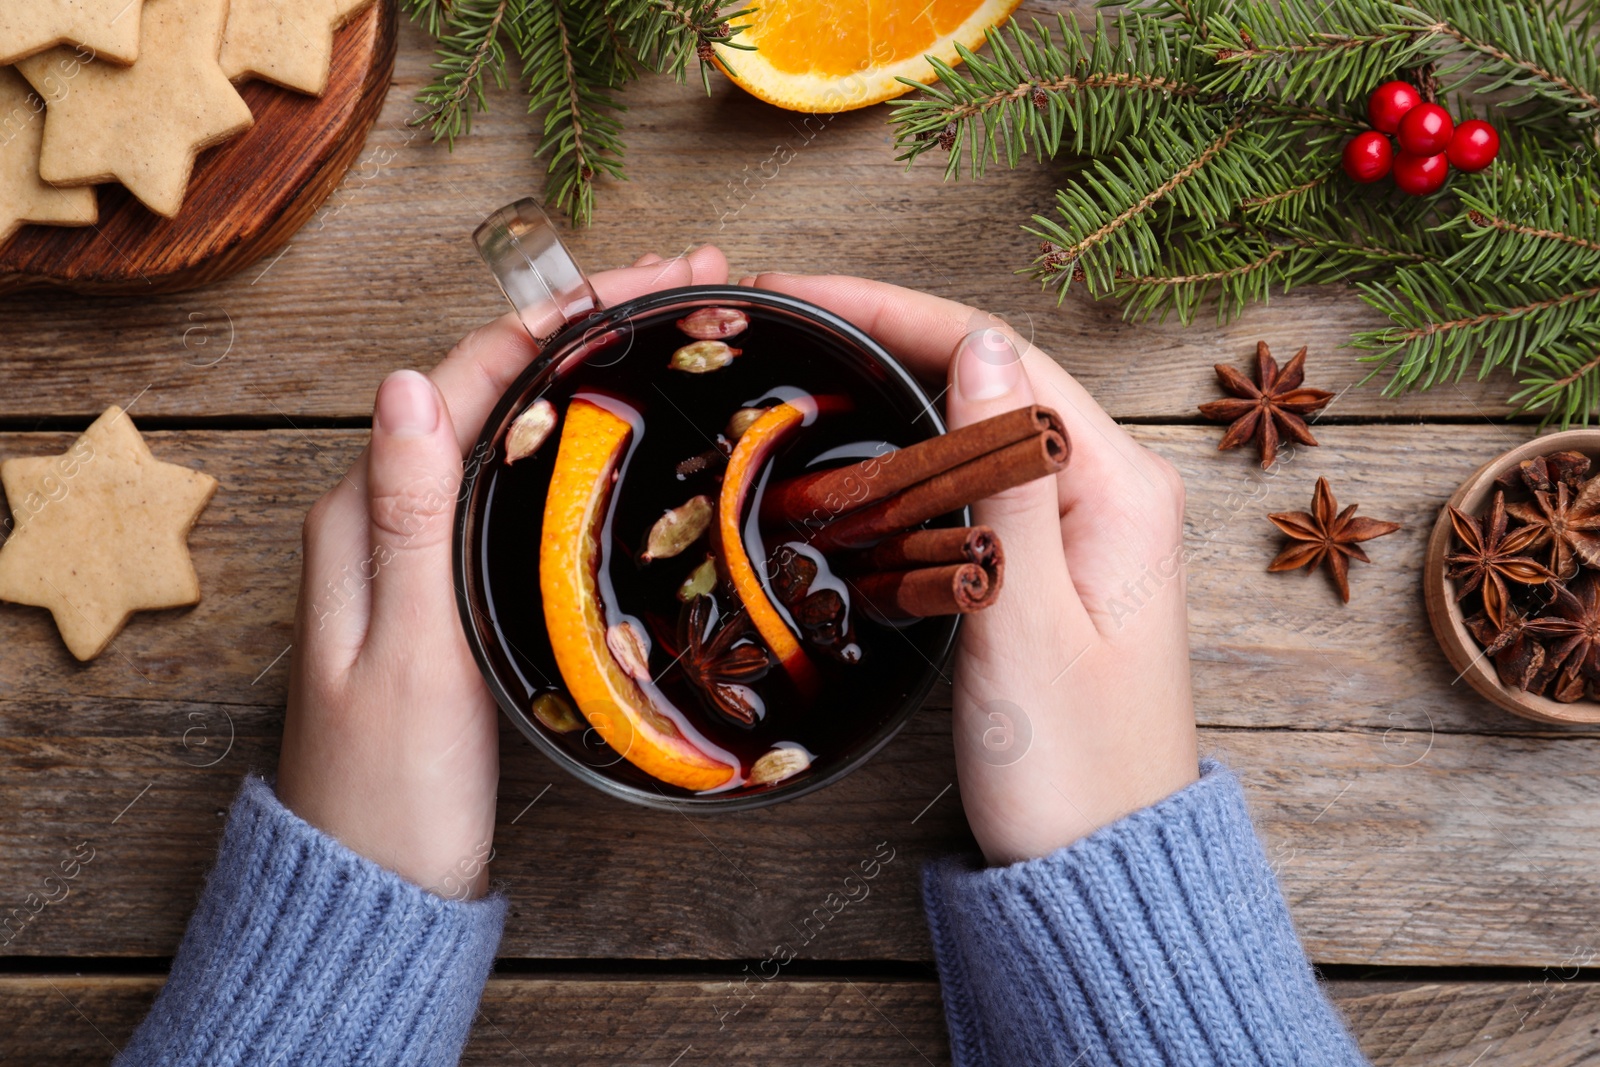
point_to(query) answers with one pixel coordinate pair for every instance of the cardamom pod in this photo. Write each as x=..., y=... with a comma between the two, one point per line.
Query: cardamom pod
x=530, y=430
x=678, y=528
x=778, y=765
x=702, y=357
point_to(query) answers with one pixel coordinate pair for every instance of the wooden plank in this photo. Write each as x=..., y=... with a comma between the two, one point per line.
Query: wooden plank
x=385, y=275
x=1546, y=1022
x=1484, y=852
x=1412, y=822
x=1269, y=650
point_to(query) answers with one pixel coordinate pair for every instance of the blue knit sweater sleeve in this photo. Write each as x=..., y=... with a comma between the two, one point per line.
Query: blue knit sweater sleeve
x=302, y=952
x=1161, y=939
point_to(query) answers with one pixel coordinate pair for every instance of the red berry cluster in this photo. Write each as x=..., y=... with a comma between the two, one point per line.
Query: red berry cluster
x=1430, y=143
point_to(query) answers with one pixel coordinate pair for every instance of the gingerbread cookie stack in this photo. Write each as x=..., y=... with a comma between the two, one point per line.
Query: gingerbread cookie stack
x=130, y=91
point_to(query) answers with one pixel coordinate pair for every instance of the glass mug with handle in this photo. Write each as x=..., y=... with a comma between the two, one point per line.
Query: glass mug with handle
x=641, y=606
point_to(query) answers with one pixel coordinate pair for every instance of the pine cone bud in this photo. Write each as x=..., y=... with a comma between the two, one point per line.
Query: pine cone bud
x=1478, y=218
x=1053, y=260
x=947, y=137
x=1041, y=99
x=705, y=52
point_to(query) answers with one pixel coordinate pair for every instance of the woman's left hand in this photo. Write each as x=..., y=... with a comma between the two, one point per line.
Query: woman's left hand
x=390, y=741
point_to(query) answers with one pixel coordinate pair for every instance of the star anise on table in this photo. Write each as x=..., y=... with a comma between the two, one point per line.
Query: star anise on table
x=1270, y=408
x=1566, y=519
x=721, y=660
x=1326, y=535
x=1491, y=557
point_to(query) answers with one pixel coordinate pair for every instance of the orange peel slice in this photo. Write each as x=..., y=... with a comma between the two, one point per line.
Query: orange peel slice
x=755, y=445
x=627, y=716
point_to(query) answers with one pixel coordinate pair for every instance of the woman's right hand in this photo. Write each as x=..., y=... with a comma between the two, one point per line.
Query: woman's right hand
x=1072, y=699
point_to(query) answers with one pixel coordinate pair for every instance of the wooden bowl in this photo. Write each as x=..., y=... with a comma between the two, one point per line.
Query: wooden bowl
x=246, y=197
x=1460, y=648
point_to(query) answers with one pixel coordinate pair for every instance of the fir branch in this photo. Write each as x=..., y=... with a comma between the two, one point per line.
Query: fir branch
x=1351, y=45
x=1523, y=221
x=575, y=55
x=1564, y=380
x=1229, y=274
x=666, y=34
x=1436, y=336
x=1490, y=222
x=564, y=60
x=1269, y=200
x=1214, y=175
x=431, y=13
x=1104, y=224
x=1427, y=330
x=1291, y=47
x=1517, y=44
x=1032, y=94
x=473, y=54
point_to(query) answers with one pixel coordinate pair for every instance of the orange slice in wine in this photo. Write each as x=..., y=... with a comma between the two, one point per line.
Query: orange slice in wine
x=744, y=466
x=629, y=718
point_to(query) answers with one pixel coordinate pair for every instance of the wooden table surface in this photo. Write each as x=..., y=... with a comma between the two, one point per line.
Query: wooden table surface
x=1442, y=858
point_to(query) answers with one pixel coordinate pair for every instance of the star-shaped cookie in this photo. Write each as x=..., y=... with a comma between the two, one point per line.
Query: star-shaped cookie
x=100, y=532
x=140, y=125
x=286, y=42
x=106, y=28
x=24, y=197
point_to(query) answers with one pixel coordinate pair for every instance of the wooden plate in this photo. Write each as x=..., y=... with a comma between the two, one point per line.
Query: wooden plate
x=246, y=198
x=1463, y=652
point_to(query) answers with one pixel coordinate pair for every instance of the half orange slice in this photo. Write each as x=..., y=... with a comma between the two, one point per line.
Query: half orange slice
x=744, y=466
x=837, y=57
x=630, y=719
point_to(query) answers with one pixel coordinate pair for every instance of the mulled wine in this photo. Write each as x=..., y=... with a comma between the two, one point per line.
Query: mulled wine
x=638, y=610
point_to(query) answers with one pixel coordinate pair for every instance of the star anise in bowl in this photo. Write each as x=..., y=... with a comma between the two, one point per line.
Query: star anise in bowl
x=1513, y=579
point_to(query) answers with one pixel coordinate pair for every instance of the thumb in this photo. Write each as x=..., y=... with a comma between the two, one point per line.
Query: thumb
x=988, y=378
x=413, y=476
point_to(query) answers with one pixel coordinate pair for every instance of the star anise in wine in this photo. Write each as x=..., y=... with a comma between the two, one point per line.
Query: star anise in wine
x=1270, y=408
x=721, y=657
x=1326, y=535
x=1568, y=520
x=1491, y=557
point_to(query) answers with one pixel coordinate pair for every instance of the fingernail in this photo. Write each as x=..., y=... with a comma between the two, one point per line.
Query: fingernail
x=748, y=280
x=407, y=406
x=988, y=366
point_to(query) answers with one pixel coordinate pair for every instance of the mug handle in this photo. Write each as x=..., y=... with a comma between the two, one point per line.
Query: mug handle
x=535, y=270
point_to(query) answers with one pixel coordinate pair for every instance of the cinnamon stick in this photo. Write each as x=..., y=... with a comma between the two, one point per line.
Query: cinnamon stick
x=923, y=548
x=951, y=590
x=825, y=495
x=1032, y=457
